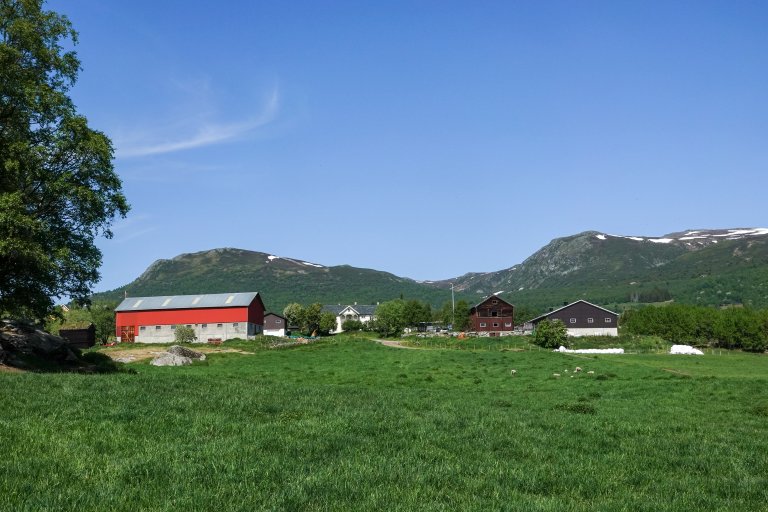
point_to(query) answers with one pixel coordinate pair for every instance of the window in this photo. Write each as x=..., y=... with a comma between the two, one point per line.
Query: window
x=204, y=326
x=235, y=324
x=494, y=302
x=507, y=324
x=189, y=325
x=157, y=327
x=607, y=319
x=278, y=321
x=495, y=324
x=482, y=324
x=573, y=320
x=590, y=320
x=173, y=327
x=142, y=328
x=494, y=313
x=219, y=326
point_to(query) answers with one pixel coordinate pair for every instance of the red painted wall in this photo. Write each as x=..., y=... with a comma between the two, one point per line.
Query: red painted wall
x=482, y=314
x=254, y=313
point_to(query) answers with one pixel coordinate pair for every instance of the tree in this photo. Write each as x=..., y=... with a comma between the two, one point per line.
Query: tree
x=551, y=334
x=293, y=313
x=390, y=318
x=310, y=319
x=58, y=188
x=327, y=322
x=184, y=334
x=416, y=312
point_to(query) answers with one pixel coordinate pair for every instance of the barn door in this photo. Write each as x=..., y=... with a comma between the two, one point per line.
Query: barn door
x=127, y=334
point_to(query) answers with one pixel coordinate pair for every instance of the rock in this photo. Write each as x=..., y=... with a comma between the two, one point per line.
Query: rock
x=21, y=339
x=168, y=359
x=186, y=352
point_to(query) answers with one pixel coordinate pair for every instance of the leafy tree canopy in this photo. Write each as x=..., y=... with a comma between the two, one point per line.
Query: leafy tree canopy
x=58, y=188
x=551, y=334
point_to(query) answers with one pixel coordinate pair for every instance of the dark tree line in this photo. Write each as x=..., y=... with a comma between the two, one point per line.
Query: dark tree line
x=736, y=327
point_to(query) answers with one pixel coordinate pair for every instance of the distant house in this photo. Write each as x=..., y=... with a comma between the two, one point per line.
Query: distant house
x=80, y=335
x=363, y=313
x=494, y=316
x=214, y=317
x=582, y=318
x=275, y=325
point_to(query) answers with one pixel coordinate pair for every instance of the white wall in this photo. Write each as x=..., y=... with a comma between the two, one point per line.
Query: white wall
x=204, y=332
x=593, y=331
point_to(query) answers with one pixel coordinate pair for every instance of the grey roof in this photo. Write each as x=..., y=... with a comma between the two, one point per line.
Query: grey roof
x=215, y=300
x=569, y=305
x=360, y=309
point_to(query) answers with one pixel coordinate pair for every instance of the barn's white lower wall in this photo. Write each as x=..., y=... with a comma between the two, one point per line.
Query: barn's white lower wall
x=204, y=332
x=274, y=332
x=593, y=331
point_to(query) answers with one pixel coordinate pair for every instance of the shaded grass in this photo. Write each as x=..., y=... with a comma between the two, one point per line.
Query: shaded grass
x=350, y=425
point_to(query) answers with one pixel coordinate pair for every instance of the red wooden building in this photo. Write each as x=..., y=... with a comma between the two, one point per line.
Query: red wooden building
x=218, y=316
x=494, y=316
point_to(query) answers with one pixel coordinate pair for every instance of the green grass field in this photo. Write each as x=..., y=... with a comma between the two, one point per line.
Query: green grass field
x=347, y=424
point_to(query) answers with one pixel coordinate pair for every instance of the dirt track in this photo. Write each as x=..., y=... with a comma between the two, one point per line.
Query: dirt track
x=137, y=354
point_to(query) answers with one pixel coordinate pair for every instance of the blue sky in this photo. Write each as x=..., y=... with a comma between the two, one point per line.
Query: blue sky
x=427, y=139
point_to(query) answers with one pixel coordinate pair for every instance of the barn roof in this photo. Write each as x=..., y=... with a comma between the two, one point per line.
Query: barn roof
x=540, y=317
x=215, y=300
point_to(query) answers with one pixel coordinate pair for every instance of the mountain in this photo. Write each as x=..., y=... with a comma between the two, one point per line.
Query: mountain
x=724, y=266
x=704, y=266
x=279, y=280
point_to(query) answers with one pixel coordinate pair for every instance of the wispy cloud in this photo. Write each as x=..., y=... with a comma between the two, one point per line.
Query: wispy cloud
x=132, y=227
x=205, y=133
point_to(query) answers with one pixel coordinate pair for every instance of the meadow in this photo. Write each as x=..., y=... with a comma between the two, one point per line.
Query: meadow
x=347, y=424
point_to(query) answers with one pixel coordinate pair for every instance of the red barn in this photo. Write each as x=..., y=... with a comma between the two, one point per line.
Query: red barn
x=218, y=316
x=494, y=316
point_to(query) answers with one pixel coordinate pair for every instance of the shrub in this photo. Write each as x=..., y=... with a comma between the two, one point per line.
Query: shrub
x=352, y=325
x=184, y=334
x=551, y=334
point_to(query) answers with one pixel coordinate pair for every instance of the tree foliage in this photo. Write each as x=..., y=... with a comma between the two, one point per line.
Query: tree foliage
x=184, y=334
x=735, y=327
x=100, y=314
x=311, y=320
x=352, y=325
x=390, y=318
x=551, y=334
x=58, y=188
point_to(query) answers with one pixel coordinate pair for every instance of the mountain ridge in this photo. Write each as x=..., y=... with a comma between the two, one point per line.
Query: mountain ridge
x=706, y=266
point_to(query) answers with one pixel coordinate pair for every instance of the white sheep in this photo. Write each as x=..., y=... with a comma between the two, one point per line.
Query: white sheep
x=555, y=374
x=578, y=369
x=590, y=372
x=513, y=372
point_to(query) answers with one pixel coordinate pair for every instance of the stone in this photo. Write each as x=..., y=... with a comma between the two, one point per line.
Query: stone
x=21, y=339
x=186, y=352
x=168, y=359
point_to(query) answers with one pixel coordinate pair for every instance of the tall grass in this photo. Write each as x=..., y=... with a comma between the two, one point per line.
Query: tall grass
x=350, y=425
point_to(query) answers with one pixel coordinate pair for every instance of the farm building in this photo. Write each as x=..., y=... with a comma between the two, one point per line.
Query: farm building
x=214, y=317
x=582, y=318
x=363, y=313
x=80, y=335
x=275, y=325
x=494, y=316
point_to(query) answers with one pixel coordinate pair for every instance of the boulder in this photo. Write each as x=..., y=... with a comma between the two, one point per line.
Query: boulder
x=168, y=359
x=18, y=339
x=186, y=352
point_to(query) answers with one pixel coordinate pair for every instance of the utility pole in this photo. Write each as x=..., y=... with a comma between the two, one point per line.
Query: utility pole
x=453, y=309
